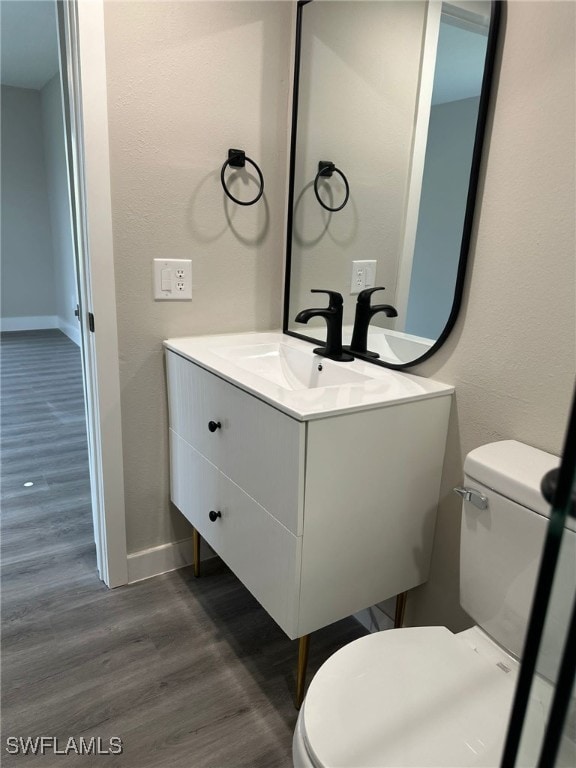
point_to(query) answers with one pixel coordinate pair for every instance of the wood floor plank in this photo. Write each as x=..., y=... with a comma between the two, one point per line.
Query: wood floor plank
x=190, y=673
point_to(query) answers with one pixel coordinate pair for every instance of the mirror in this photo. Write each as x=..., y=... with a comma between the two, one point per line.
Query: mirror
x=390, y=101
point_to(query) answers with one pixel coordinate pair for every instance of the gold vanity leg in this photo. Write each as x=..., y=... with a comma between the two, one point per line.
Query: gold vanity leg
x=196, y=551
x=400, y=610
x=303, y=647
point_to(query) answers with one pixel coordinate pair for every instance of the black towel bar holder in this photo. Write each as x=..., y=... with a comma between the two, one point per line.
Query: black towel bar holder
x=237, y=159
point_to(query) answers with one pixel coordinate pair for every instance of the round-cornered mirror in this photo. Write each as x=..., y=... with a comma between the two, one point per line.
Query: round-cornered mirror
x=389, y=113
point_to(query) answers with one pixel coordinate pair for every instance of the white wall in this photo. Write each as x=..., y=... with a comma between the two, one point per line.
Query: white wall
x=28, y=298
x=187, y=81
x=512, y=353
x=59, y=206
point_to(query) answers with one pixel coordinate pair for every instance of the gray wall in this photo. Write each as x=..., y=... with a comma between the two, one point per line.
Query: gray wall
x=38, y=276
x=27, y=257
x=440, y=221
x=59, y=206
x=512, y=354
x=187, y=81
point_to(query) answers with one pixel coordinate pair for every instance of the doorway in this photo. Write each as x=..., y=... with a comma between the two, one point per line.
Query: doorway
x=45, y=464
x=73, y=271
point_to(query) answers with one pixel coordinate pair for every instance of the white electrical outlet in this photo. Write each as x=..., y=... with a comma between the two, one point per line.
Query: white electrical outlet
x=172, y=279
x=363, y=275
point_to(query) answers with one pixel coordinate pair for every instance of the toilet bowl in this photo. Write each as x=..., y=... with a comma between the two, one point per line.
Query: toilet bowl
x=431, y=699
x=425, y=697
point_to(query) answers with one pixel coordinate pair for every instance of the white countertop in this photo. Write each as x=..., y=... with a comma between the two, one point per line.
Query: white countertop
x=384, y=387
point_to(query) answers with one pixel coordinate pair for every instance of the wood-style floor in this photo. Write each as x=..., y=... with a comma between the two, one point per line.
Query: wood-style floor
x=189, y=673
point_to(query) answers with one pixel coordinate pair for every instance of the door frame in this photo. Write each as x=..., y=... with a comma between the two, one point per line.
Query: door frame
x=84, y=94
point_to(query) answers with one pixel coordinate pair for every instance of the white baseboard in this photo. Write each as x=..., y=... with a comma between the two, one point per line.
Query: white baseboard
x=72, y=331
x=167, y=557
x=41, y=323
x=374, y=619
x=389, y=607
x=38, y=323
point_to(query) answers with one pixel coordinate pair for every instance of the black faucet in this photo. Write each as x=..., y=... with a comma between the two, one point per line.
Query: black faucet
x=364, y=313
x=333, y=316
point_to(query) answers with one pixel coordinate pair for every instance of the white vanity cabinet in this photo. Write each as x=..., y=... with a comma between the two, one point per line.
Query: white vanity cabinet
x=319, y=517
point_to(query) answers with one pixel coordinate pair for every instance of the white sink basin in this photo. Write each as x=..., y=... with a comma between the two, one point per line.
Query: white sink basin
x=291, y=368
x=285, y=372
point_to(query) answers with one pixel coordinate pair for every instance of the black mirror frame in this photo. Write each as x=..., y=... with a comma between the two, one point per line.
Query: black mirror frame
x=483, y=109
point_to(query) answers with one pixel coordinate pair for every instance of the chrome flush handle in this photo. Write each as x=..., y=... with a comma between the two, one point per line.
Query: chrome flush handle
x=474, y=497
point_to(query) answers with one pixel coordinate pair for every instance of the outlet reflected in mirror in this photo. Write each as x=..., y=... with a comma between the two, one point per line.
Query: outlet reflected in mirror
x=395, y=95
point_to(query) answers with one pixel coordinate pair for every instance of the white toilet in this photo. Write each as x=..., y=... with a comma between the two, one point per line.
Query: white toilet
x=423, y=696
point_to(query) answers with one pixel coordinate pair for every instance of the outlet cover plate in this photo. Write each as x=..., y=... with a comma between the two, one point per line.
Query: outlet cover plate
x=363, y=275
x=172, y=279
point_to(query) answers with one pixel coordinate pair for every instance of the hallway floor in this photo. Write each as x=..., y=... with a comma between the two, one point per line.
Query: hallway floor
x=189, y=673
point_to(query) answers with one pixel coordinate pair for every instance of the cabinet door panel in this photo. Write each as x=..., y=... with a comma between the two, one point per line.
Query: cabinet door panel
x=262, y=553
x=258, y=447
x=370, y=537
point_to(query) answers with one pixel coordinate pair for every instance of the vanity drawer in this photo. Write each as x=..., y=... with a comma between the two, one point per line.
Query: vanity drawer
x=258, y=447
x=262, y=553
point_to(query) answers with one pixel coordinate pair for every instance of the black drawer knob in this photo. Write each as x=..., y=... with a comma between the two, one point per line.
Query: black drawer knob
x=214, y=425
x=214, y=515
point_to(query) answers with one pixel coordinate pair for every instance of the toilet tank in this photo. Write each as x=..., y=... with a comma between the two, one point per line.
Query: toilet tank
x=501, y=546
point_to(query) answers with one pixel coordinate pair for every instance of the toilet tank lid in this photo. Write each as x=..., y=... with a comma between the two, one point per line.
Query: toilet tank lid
x=514, y=470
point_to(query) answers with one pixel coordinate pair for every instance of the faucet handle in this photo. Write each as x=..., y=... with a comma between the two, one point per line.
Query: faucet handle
x=336, y=299
x=365, y=295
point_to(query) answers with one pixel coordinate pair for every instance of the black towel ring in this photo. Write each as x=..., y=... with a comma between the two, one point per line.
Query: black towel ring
x=237, y=159
x=325, y=170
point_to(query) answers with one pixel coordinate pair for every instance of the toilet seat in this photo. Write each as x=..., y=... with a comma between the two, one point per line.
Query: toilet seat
x=411, y=697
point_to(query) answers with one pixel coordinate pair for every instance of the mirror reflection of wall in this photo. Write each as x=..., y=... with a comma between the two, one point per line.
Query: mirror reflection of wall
x=453, y=114
x=389, y=92
x=358, y=87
